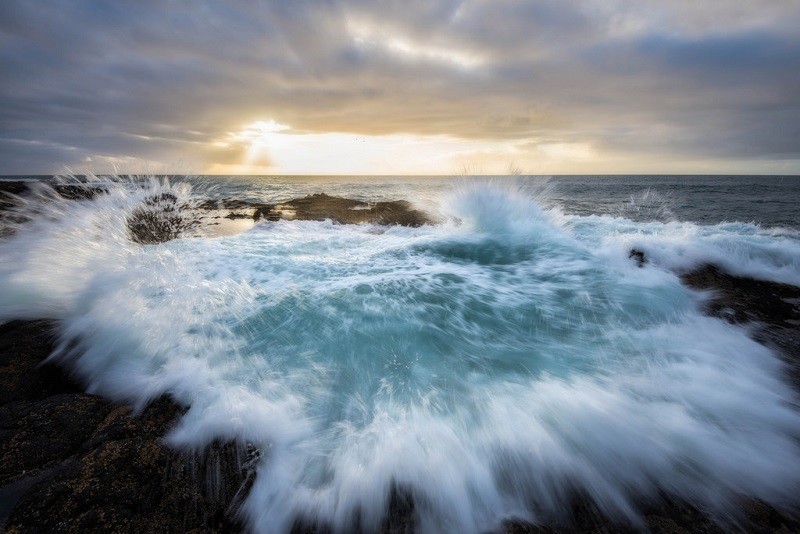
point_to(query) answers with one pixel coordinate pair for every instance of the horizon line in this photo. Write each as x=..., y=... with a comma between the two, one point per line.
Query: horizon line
x=352, y=175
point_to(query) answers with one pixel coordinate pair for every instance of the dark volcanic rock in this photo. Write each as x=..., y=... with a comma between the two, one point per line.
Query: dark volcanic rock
x=159, y=219
x=72, y=462
x=320, y=206
x=36, y=435
x=13, y=188
x=9, y=191
x=23, y=347
x=135, y=484
x=667, y=517
x=74, y=191
x=773, y=309
x=399, y=516
x=77, y=191
x=743, y=299
x=14, y=210
x=637, y=256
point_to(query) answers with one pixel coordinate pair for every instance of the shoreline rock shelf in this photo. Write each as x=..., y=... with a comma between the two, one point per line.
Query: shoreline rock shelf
x=161, y=218
x=75, y=462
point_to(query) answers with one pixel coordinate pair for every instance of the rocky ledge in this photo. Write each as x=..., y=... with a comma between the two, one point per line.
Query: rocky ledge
x=74, y=462
x=320, y=206
x=162, y=217
x=771, y=310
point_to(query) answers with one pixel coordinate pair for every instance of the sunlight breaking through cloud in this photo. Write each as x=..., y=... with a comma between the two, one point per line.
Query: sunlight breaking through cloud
x=366, y=36
x=587, y=86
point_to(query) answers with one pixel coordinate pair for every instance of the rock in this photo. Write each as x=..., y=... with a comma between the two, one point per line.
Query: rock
x=37, y=435
x=23, y=376
x=746, y=299
x=773, y=309
x=77, y=191
x=10, y=215
x=637, y=256
x=664, y=516
x=399, y=516
x=159, y=219
x=320, y=207
x=12, y=188
x=134, y=484
x=15, y=210
x=75, y=462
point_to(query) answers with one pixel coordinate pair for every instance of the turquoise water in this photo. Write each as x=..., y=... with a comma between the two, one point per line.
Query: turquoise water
x=490, y=363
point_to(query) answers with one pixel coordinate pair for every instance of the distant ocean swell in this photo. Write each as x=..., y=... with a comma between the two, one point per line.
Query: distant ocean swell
x=492, y=364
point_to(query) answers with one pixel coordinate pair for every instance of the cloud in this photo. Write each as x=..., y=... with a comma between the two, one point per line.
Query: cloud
x=639, y=82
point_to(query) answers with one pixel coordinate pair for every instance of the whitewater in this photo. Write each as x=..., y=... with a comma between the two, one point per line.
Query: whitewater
x=492, y=364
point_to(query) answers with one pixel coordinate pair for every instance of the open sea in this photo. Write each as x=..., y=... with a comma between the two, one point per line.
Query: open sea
x=491, y=364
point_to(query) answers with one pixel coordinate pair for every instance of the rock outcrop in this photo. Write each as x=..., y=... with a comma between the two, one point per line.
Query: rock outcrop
x=74, y=462
x=771, y=309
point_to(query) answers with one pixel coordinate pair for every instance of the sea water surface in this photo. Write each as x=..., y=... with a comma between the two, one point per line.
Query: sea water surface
x=491, y=364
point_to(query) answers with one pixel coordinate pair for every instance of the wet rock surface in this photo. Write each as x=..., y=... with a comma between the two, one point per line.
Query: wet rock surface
x=666, y=517
x=14, y=211
x=158, y=219
x=68, y=191
x=320, y=207
x=74, y=462
x=162, y=217
x=14, y=188
x=770, y=309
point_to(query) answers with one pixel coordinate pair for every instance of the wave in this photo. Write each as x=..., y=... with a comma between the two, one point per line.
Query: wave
x=491, y=366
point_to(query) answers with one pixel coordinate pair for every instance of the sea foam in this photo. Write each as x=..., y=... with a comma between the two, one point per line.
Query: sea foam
x=492, y=366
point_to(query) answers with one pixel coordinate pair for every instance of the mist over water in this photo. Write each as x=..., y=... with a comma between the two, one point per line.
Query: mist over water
x=492, y=365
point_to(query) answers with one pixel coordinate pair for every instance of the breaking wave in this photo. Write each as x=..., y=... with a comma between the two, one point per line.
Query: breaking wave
x=491, y=366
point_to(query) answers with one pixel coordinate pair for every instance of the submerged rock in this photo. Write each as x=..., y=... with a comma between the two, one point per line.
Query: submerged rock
x=637, y=256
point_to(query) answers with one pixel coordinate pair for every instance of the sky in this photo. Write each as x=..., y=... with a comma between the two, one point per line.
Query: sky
x=400, y=87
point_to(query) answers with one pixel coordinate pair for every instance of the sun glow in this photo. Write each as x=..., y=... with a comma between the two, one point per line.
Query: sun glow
x=262, y=128
x=271, y=147
x=268, y=147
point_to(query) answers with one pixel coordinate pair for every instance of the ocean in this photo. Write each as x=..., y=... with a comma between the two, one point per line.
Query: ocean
x=492, y=363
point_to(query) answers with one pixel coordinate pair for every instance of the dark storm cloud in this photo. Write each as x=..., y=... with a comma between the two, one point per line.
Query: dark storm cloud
x=153, y=81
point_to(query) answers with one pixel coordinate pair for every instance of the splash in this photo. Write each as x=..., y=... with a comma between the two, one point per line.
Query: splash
x=490, y=366
x=648, y=205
